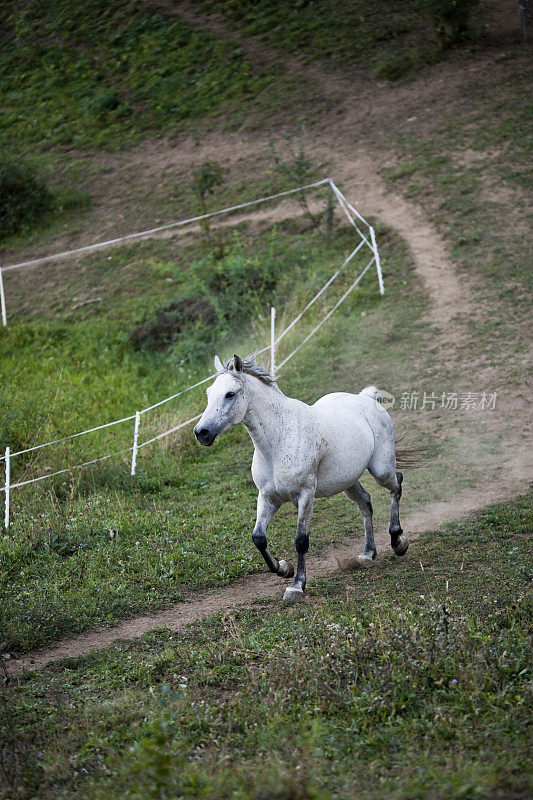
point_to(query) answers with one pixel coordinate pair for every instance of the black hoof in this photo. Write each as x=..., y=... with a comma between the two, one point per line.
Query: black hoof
x=401, y=546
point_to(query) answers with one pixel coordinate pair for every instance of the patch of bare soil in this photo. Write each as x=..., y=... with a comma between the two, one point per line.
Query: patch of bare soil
x=335, y=138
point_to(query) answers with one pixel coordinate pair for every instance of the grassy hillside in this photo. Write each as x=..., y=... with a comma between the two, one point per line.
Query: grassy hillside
x=101, y=74
x=406, y=681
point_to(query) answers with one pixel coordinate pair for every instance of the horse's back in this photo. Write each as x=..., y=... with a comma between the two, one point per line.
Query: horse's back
x=333, y=397
x=358, y=434
x=365, y=405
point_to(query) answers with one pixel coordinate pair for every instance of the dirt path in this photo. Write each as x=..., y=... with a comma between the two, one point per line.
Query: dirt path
x=356, y=173
x=243, y=593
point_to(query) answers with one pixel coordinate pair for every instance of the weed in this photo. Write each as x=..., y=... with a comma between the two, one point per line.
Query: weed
x=298, y=170
x=451, y=20
x=171, y=321
x=206, y=177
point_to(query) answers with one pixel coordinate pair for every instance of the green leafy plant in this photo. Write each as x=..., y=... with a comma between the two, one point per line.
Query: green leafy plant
x=169, y=322
x=296, y=169
x=206, y=178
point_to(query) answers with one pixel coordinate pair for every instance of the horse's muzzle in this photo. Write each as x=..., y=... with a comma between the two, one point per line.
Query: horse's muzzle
x=205, y=436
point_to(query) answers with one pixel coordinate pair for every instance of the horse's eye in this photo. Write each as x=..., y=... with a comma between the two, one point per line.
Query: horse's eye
x=229, y=395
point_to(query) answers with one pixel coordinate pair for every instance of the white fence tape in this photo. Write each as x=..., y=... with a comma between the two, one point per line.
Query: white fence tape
x=152, y=231
x=346, y=207
x=172, y=430
x=319, y=293
x=68, y=469
x=72, y=436
x=350, y=213
x=178, y=394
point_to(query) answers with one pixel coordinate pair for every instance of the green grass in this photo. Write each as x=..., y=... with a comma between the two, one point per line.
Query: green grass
x=97, y=74
x=405, y=681
x=356, y=688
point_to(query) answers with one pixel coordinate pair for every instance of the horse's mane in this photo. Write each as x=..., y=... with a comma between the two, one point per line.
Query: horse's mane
x=251, y=367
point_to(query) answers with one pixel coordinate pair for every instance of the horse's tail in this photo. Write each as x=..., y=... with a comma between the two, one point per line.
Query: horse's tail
x=409, y=457
x=371, y=391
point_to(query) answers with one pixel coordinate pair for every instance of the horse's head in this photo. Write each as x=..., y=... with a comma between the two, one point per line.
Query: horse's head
x=226, y=403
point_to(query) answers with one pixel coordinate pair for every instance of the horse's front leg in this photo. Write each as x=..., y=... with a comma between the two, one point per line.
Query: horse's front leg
x=266, y=509
x=305, y=512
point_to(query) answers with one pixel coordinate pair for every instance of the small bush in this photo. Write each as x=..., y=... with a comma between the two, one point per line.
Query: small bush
x=104, y=102
x=393, y=66
x=24, y=199
x=451, y=20
x=170, y=321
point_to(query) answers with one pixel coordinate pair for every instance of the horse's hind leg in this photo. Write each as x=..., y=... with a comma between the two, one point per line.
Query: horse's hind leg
x=392, y=480
x=398, y=542
x=362, y=498
x=265, y=511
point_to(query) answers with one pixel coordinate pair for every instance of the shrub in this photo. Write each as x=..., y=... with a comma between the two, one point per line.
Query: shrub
x=451, y=19
x=24, y=199
x=169, y=322
x=104, y=102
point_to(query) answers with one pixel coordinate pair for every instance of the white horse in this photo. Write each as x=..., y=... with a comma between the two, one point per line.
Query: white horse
x=303, y=452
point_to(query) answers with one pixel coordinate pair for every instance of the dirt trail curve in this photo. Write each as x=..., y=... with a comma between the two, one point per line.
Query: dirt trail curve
x=356, y=173
x=449, y=298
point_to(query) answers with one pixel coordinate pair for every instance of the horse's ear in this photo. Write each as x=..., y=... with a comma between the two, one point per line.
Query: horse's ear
x=218, y=365
x=237, y=364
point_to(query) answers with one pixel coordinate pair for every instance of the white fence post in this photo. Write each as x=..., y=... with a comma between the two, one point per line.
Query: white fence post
x=378, y=262
x=272, y=341
x=8, y=478
x=135, y=440
x=3, y=300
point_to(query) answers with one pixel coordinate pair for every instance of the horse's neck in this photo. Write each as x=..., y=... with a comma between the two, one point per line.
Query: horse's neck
x=268, y=415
